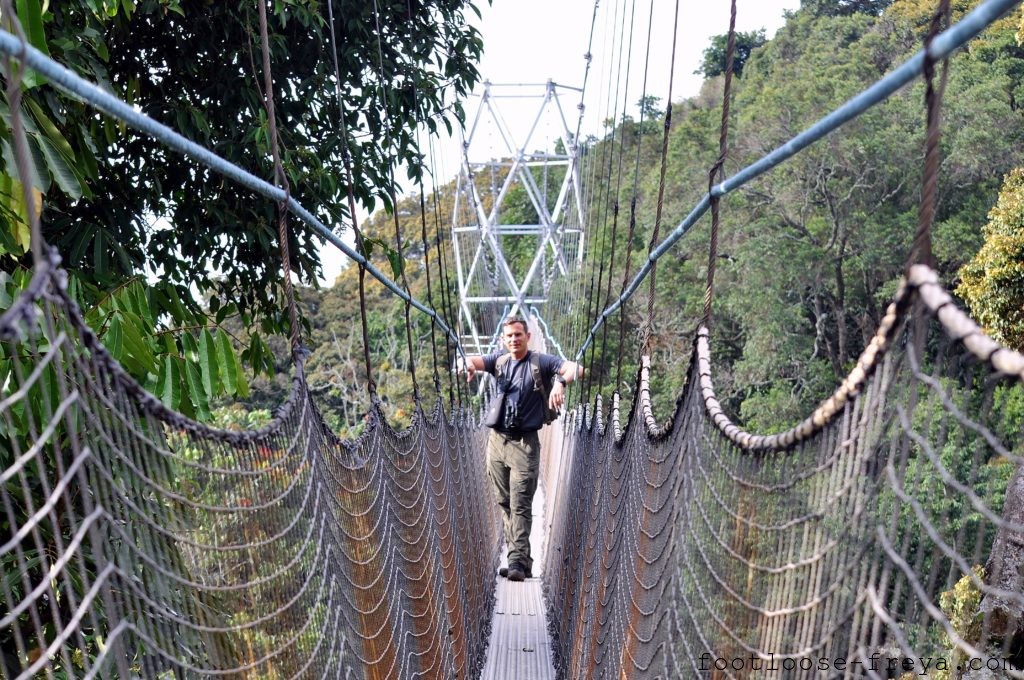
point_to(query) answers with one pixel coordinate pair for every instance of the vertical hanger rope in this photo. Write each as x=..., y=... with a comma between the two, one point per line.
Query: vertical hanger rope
x=716, y=174
x=280, y=178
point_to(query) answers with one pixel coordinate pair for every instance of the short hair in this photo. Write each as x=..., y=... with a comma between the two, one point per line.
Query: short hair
x=512, y=320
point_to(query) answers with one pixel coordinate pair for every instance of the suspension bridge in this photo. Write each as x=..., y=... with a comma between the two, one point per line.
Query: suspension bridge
x=137, y=542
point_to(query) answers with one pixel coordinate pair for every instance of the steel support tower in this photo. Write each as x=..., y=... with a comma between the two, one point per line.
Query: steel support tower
x=518, y=218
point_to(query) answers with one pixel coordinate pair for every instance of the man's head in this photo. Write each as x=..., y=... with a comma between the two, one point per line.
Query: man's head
x=515, y=335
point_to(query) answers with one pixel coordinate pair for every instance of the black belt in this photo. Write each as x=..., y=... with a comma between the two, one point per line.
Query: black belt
x=517, y=435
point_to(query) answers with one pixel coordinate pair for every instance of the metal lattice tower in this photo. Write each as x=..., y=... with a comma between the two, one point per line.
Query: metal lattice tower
x=518, y=218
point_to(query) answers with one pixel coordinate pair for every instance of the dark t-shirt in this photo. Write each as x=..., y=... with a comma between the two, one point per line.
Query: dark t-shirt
x=516, y=380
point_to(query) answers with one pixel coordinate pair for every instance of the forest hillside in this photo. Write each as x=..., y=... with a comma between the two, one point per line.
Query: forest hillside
x=809, y=254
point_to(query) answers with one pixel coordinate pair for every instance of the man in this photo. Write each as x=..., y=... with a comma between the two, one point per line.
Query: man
x=513, y=447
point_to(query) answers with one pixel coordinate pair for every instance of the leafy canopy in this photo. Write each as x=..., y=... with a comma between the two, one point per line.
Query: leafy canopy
x=992, y=283
x=811, y=252
x=715, y=54
x=198, y=70
x=836, y=8
x=142, y=229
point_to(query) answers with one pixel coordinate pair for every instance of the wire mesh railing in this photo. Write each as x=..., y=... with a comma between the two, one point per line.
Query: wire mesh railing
x=138, y=543
x=881, y=537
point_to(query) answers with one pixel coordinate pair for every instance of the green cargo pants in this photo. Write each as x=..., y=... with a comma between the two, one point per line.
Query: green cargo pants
x=513, y=465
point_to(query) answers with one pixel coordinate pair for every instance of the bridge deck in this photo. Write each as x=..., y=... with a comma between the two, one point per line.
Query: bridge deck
x=520, y=648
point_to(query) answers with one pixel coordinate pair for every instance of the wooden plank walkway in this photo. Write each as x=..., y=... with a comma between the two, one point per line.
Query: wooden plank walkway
x=520, y=648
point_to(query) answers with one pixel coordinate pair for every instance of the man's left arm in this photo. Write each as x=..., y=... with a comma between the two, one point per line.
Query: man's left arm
x=566, y=374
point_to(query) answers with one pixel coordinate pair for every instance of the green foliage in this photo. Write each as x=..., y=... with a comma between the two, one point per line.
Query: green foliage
x=715, y=55
x=119, y=204
x=961, y=605
x=237, y=417
x=778, y=405
x=844, y=7
x=650, y=107
x=651, y=114
x=336, y=370
x=187, y=360
x=919, y=13
x=264, y=459
x=963, y=455
x=810, y=253
x=115, y=183
x=1008, y=408
x=992, y=283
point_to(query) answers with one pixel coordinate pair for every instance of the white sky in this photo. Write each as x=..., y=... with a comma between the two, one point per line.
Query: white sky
x=532, y=41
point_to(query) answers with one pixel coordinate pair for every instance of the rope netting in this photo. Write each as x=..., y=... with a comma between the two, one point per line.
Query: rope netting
x=137, y=543
x=880, y=537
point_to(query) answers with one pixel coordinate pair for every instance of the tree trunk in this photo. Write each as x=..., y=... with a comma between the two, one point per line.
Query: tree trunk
x=1005, y=564
x=841, y=303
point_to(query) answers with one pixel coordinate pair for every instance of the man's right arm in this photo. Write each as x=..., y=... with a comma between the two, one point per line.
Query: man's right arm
x=471, y=364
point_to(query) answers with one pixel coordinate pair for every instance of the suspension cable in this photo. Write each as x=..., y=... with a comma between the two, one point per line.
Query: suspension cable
x=394, y=213
x=430, y=292
x=589, y=166
x=455, y=386
x=371, y=384
x=633, y=199
x=618, y=188
x=611, y=200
